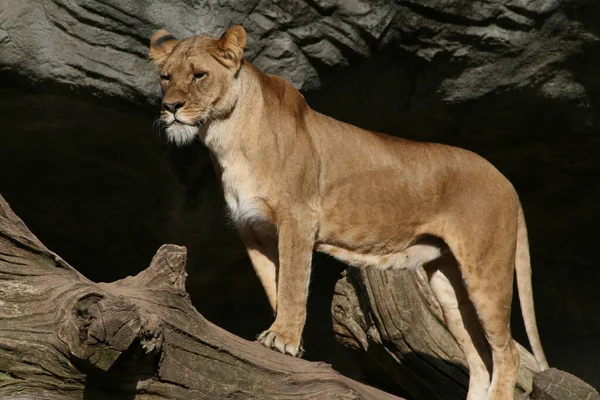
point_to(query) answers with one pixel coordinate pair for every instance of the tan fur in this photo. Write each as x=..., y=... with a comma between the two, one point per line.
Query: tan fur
x=296, y=180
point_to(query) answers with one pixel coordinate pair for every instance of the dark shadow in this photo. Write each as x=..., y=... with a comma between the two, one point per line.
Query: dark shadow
x=121, y=380
x=319, y=339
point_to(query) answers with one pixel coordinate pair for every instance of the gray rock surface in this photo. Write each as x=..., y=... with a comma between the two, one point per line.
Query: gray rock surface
x=554, y=384
x=509, y=57
x=516, y=81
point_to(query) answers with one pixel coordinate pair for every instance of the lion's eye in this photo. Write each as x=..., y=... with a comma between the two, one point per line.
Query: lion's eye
x=199, y=75
x=165, y=78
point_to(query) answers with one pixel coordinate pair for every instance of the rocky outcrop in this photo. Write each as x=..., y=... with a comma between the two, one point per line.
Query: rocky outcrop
x=515, y=60
x=517, y=81
x=553, y=384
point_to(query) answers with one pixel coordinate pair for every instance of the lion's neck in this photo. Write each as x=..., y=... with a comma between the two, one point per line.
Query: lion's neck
x=228, y=134
x=264, y=105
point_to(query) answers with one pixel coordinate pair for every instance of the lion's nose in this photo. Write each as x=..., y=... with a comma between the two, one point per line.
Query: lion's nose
x=173, y=107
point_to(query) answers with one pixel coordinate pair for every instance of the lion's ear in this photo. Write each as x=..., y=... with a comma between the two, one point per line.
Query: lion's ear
x=162, y=44
x=231, y=45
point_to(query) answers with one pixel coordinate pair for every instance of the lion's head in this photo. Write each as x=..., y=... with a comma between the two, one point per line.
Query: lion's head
x=198, y=76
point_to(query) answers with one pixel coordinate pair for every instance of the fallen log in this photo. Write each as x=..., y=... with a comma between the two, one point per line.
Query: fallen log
x=65, y=337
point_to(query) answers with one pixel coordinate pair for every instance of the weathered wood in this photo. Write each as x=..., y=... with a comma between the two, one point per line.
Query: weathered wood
x=65, y=337
x=394, y=326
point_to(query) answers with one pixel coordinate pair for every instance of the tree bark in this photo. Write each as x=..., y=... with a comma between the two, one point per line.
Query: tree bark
x=392, y=323
x=65, y=337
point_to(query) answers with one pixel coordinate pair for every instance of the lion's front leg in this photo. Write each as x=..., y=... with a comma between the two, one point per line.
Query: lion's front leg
x=296, y=241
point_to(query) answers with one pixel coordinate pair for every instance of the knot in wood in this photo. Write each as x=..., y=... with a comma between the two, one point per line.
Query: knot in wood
x=100, y=329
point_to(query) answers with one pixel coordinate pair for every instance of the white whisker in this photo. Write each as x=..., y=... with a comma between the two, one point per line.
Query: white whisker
x=157, y=126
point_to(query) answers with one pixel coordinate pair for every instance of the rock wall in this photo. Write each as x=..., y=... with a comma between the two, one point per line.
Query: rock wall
x=517, y=81
x=516, y=60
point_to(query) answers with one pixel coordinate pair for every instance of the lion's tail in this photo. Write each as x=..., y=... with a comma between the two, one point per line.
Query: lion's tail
x=523, y=273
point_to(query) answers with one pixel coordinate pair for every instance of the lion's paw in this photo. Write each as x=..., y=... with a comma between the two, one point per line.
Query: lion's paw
x=283, y=343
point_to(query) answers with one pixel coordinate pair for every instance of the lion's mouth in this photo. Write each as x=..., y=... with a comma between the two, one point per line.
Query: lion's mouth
x=177, y=122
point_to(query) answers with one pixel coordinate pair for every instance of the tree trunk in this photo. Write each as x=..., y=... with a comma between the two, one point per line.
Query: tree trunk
x=394, y=326
x=65, y=337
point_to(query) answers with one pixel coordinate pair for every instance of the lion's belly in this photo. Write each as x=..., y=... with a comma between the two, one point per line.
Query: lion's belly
x=381, y=231
x=411, y=257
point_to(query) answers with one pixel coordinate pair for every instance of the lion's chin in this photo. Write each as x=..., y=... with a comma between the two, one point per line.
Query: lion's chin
x=181, y=134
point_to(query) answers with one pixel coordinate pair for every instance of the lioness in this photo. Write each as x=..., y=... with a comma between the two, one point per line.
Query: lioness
x=296, y=180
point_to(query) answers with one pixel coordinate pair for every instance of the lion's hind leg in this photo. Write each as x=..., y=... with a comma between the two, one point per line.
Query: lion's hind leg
x=446, y=283
x=489, y=285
